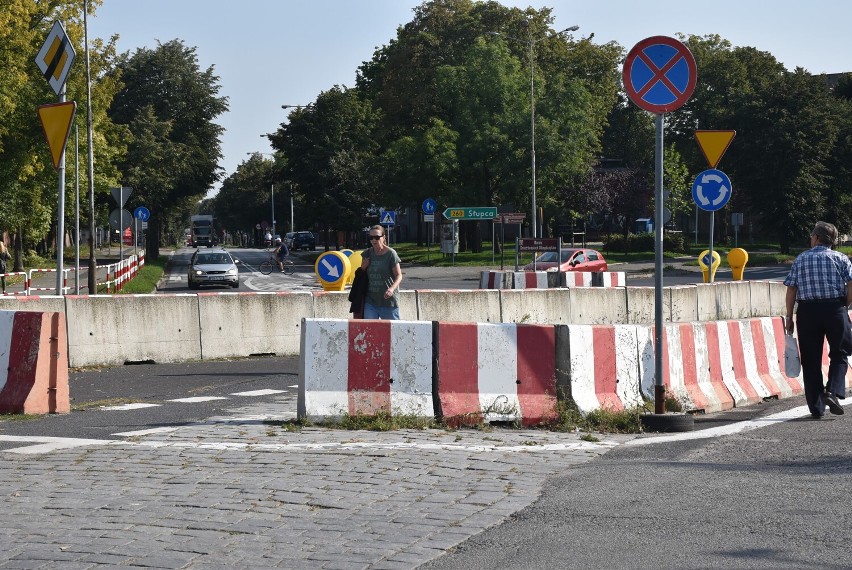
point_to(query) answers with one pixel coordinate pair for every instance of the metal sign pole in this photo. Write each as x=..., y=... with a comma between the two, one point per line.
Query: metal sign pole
x=710, y=265
x=659, y=388
x=60, y=232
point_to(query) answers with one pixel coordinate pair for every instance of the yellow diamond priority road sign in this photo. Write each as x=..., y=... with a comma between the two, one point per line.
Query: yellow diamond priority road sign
x=55, y=57
x=56, y=120
x=714, y=144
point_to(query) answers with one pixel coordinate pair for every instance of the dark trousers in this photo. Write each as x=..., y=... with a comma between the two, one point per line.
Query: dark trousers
x=817, y=322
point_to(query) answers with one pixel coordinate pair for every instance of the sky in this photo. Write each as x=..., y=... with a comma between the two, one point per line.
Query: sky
x=269, y=53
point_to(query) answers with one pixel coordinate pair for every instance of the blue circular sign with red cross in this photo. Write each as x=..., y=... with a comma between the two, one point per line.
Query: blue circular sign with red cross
x=659, y=74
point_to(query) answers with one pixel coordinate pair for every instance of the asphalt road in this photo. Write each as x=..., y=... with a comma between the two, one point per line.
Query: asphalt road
x=425, y=277
x=775, y=497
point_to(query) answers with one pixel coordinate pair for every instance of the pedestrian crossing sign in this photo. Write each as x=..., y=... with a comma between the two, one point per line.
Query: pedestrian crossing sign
x=387, y=217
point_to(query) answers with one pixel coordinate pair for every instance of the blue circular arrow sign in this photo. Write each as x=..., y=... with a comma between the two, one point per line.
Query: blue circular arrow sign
x=711, y=190
x=142, y=213
x=331, y=267
x=429, y=206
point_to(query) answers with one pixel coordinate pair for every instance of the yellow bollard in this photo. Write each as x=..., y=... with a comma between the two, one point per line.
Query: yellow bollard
x=709, y=271
x=354, y=263
x=737, y=259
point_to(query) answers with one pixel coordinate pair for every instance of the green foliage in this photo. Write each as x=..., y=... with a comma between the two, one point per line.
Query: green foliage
x=642, y=242
x=168, y=105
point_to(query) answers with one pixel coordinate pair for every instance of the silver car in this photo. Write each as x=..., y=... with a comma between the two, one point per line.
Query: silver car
x=213, y=267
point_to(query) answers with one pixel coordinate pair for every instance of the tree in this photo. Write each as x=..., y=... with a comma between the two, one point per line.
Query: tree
x=165, y=87
x=331, y=150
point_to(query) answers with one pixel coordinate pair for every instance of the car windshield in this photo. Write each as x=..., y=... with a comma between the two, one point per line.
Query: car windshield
x=213, y=259
x=550, y=256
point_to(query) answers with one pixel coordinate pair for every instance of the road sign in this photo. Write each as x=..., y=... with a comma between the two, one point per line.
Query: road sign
x=714, y=144
x=55, y=57
x=538, y=244
x=120, y=219
x=120, y=195
x=142, y=213
x=56, y=120
x=331, y=269
x=711, y=190
x=511, y=217
x=468, y=213
x=659, y=74
x=429, y=206
x=428, y=217
x=387, y=217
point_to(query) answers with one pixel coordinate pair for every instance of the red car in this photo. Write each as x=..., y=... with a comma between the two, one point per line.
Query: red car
x=573, y=259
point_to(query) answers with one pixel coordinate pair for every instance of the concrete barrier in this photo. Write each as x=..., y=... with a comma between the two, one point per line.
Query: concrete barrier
x=116, y=329
x=364, y=367
x=740, y=300
x=691, y=367
x=33, y=363
x=537, y=306
x=575, y=278
x=495, y=373
x=469, y=305
x=609, y=279
x=596, y=306
x=495, y=279
x=529, y=280
x=640, y=304
x=760, y=299
x=680, y=304
x=34, y=303
x=603, y=366
x=246, y=324
x=329, y=305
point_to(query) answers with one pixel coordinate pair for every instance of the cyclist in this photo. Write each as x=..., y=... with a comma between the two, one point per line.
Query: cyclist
x=281, y=253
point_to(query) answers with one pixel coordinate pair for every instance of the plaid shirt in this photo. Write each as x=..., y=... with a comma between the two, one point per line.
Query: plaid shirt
x=820, y=273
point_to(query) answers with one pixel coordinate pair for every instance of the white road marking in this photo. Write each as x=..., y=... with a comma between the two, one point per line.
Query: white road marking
x=197, y=399
x=730, y=429
x=136, y=406
x=47, y=444
x=266, y=392
x=146, y=431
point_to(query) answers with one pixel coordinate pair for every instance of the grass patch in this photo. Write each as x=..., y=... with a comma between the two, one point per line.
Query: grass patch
x=569, y=418
x=8, y=417
x=382, y=421
x=145, y=280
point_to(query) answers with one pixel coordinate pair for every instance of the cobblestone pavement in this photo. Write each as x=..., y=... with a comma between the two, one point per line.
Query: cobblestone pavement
x=239, y=491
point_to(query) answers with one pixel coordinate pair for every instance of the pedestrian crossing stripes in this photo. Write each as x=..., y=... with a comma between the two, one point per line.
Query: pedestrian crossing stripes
x=193, y=400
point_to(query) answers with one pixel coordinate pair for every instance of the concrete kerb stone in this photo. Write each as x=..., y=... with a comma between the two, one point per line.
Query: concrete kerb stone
x=116, y=329
x=240, y=324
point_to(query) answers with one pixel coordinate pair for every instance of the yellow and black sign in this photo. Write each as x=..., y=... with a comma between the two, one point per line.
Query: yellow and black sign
x=55, y=57
x=56, y=120
x=714, y=144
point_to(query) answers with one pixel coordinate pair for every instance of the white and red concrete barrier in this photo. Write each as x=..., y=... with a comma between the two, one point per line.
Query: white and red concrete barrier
x=33, y=363
x=495, y=373
x=364, y=367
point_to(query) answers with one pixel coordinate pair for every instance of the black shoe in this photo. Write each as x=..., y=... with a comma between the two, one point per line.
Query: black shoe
x=816, y=416
x=833, y=405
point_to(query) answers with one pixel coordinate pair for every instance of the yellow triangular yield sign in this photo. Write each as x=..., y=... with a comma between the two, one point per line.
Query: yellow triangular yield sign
x=714, y=144
x=56, y=121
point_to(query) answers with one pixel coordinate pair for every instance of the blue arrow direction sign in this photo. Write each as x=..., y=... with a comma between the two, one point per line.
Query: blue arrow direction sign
x=711, y=190
x=331, y=266
x=429, y=206
x=142, y=213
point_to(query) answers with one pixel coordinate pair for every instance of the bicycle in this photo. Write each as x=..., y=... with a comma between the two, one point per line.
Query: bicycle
x=272, y=263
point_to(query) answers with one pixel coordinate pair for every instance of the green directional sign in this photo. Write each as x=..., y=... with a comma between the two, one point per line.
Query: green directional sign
x=466, y=213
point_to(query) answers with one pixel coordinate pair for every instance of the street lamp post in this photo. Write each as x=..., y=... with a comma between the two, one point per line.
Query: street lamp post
x=271, y=190
x=532, y=42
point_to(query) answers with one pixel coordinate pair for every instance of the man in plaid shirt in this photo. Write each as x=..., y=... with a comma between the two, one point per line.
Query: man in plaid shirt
x=820, y=281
